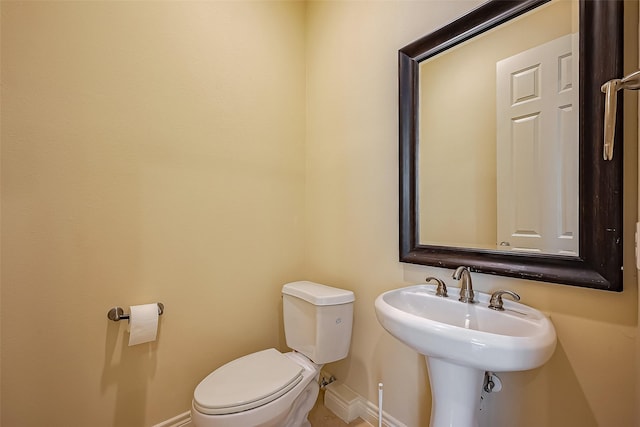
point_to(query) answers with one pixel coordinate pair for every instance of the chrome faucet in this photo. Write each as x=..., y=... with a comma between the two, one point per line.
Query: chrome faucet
x=466, y=288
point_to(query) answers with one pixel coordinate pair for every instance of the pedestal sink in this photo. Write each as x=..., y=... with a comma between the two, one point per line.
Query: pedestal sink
x=461, y=341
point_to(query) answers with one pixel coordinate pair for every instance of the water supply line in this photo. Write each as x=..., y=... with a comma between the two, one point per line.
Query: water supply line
x=379, y=404
x=610, y=89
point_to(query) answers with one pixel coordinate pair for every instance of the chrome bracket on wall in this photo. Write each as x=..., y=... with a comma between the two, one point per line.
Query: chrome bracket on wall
x=117, y=313
x=610, y=89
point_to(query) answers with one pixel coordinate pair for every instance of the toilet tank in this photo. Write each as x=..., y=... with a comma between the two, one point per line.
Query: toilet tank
x=318, y=320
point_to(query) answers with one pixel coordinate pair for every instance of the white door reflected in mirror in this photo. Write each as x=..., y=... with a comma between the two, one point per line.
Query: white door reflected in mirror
x=537, y=149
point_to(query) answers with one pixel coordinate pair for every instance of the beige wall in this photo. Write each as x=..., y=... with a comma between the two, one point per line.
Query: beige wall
x=168, y=151
x=352, y=200
x=151, y=151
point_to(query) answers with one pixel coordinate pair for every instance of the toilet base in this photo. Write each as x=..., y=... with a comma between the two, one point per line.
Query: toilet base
x=300, y=411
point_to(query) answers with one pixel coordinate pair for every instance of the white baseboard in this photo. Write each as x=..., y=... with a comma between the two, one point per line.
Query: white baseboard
x=182, y=420
x=370, y=415
x=342, y=401
x=349, y=405
x=338, y=398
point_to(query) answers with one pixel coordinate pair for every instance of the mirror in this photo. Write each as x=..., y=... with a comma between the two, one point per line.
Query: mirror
x=469, y=193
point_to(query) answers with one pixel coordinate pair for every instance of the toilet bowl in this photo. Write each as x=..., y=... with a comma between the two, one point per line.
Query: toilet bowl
x=270, y=389
x=273, y=389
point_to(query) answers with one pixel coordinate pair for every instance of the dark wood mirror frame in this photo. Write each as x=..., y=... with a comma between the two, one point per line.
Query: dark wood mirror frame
x=599, y=263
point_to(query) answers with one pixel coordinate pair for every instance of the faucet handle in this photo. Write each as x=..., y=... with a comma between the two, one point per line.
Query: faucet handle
x=495, y=302
x=441, y=290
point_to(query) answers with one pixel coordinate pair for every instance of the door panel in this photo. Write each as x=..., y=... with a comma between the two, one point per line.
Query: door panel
x=538, y=203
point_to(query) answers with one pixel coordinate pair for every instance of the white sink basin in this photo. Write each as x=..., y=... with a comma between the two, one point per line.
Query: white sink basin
x=516, y=339
x=461, y=341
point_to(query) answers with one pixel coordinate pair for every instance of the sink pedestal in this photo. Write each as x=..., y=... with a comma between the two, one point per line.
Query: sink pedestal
x=455, y=392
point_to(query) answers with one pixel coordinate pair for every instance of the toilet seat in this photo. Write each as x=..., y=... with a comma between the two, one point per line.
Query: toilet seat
x=246, y=383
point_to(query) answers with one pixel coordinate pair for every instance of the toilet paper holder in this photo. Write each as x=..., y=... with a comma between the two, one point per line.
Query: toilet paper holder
x=117, y=313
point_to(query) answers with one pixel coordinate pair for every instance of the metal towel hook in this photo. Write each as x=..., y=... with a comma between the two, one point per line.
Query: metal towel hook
x=117, y=313
x=610, y=89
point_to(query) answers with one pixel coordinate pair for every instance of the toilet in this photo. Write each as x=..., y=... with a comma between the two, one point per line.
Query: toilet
x=269, y=388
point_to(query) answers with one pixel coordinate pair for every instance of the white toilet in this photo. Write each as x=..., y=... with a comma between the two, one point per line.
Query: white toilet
x=269, y=388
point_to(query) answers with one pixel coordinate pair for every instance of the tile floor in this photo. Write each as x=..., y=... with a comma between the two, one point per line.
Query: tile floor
x=322, y=417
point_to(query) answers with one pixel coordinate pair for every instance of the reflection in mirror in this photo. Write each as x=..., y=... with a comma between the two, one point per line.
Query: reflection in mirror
x=499, y=137
x=488, y=177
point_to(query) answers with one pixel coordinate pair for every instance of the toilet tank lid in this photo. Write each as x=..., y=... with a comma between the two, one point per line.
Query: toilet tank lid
x=318, y=294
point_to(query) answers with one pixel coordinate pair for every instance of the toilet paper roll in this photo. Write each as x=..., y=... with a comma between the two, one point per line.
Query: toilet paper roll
x=143, y=323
